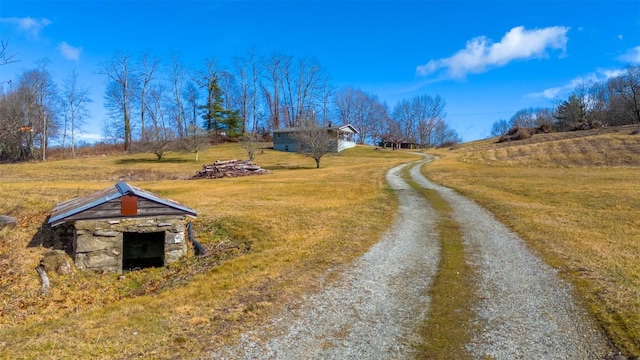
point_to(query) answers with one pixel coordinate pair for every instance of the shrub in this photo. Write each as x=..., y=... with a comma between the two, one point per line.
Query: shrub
x=517, y=133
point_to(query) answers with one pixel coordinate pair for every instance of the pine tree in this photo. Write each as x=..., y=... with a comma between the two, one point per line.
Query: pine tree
x=216, y=117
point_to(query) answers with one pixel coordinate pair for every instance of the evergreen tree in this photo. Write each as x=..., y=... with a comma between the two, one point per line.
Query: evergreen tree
x=216, y=117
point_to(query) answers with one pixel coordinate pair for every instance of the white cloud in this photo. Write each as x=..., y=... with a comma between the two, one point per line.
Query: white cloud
x=481, y=53
x=68, y=51
x=620, y=37
x=27, y=24
x=600, y=75
x=90, y=137
x=631, y=56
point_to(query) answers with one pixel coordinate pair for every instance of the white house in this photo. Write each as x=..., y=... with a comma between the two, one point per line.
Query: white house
x=344, y=135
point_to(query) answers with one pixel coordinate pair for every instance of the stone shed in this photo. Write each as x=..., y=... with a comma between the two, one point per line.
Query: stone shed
x=121, y=228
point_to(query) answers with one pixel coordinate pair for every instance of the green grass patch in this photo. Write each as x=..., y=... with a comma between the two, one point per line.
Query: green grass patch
x=448, y=327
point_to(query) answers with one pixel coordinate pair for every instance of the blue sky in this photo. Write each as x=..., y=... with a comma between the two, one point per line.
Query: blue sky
x=487, y=59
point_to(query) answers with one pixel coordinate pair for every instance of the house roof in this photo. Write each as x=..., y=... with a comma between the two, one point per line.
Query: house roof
x=65, y=209
x=344, y=128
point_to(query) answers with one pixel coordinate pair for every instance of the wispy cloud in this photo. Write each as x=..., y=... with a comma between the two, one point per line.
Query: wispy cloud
x=631, y=56
x=68, y=51
x=554, y=92
x=481, y=54
x=29, y=25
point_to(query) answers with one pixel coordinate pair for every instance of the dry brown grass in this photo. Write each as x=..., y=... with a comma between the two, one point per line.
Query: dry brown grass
x=574, y=203
x=297, y=221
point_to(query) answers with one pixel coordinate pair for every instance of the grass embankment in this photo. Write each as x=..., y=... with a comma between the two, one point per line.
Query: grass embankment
x=283, y=229
x=573, y=202
x=448, y=327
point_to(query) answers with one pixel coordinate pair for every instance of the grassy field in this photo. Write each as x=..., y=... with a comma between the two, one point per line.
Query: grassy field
x=574, y=199
x=276, y=235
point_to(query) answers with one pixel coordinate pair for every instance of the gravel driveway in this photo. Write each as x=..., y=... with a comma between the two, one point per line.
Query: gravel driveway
x=371, y=312
x=525, y=311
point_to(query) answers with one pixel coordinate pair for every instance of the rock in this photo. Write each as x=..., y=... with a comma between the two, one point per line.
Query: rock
x=58, y=261
x=7, y=222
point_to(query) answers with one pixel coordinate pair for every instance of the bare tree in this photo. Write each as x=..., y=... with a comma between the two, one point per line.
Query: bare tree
x=177, y=87
x=244, y=85
x=307, y=88
x=39, y=98
x=251, y=142
x=407, y=119
x=156, y=110
x=444, y=136
x=5, y=58
x=524, y=118
x=148, y=68
x=192, y=96
x=254, y=65
x=196, y=140
x=12, y=144
x=627, y=87
x=430, y=114
x=271, y=87
x=75, y=99
x=327, y=93
x=500, y=127
x=159, y=134
x=231, y=94
x=121, y=83
x=314, y=141
x=362, y=110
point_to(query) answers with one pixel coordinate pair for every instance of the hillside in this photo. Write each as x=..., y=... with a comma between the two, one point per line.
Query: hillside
x=574, y=198
x=612, y=146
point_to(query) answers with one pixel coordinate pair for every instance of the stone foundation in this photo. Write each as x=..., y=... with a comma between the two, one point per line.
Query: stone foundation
x=98, y=244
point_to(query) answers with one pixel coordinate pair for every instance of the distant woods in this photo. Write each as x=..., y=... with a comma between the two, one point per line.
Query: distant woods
x=612, y=102
x=157, y=104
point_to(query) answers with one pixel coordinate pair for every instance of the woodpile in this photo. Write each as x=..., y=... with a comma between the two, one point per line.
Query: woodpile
x=229, y=168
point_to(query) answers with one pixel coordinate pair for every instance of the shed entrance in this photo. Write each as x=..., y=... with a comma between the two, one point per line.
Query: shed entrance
x=142, y=250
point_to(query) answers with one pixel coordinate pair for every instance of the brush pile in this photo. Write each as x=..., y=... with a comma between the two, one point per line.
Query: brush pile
x=229, y=168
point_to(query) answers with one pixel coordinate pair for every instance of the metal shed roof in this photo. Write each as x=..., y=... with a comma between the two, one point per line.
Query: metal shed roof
x=71, y=207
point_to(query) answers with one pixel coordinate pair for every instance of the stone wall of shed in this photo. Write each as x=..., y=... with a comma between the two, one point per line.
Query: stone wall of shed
x=97, y=244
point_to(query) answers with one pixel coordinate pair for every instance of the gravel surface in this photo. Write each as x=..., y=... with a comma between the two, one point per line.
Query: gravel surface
x=524, y=311
x=371, y=311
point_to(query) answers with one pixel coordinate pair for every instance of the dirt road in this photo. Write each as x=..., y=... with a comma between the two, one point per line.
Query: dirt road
x=524, y=310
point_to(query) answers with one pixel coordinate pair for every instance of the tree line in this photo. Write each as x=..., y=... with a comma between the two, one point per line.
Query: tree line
x=612, y=102
x=156, y=104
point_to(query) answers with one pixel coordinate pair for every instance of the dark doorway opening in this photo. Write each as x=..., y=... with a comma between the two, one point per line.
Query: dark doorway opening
x=142, y=250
